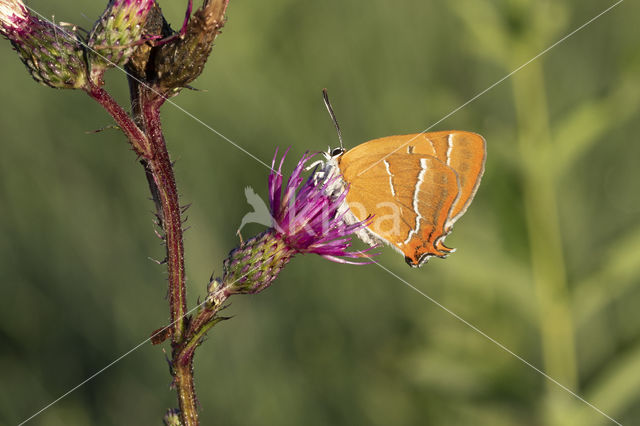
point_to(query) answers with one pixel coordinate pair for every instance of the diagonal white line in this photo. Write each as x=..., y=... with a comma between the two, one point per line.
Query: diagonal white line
x=496, y=83
x=97, y=373
x=120, y=358
x=106, y=367
x=497, y=343
x=169, y=101
x=103, y=369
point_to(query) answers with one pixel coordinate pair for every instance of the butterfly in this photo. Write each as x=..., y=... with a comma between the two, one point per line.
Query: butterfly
x=415, y=186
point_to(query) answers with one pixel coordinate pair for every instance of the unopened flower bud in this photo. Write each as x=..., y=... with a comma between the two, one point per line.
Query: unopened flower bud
x=52, y=54
x=172, y=418
x=182, y=60
x=214, y=284
x=117, y=34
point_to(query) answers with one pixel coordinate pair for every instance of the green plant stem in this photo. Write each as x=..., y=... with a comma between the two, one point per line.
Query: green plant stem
x=202, y=322
x=183, y=381
x=540, y=198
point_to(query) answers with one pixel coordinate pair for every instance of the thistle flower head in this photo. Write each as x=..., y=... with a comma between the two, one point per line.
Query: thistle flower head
x=307, y=218
x=117, y=33
x=304, y=220
x=53, y=55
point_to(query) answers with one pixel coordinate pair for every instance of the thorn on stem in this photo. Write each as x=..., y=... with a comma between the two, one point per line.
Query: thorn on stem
x=102, y=129
x=158, y=234
x=159, y=262
x=195, y=89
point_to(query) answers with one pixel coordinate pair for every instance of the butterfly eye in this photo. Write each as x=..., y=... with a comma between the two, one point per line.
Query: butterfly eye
x=337, y=151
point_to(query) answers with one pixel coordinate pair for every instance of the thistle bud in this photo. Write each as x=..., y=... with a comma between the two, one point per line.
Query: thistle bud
x=117, y=34
x=182, y=60
x=172, y=418
x=52, y=54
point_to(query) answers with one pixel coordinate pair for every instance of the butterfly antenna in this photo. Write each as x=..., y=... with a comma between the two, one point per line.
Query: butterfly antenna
x=327, y=103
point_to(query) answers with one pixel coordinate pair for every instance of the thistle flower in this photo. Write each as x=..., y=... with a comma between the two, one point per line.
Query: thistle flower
x=53, y=55
x=304, y=220
x=117, y=34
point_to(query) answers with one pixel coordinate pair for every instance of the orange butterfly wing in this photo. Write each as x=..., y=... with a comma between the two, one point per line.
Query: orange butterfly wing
x=386, y=170
x=464, y=152
x=410, y=197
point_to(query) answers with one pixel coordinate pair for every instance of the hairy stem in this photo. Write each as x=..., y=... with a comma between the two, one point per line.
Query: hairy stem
x=144, y=131
x=150, y=146
x=160, y=169
x=183, y=381
x=202, y=323
x=136, y=136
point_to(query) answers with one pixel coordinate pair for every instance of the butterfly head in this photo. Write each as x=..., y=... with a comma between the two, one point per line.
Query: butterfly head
x=328, y=173
x=336, y=152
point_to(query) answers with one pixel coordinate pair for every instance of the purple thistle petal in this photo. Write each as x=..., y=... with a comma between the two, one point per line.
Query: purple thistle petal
x=275, y=186
x=309, y=220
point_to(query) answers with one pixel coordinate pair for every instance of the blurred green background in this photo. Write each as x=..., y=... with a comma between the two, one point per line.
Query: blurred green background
x=548, y=259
